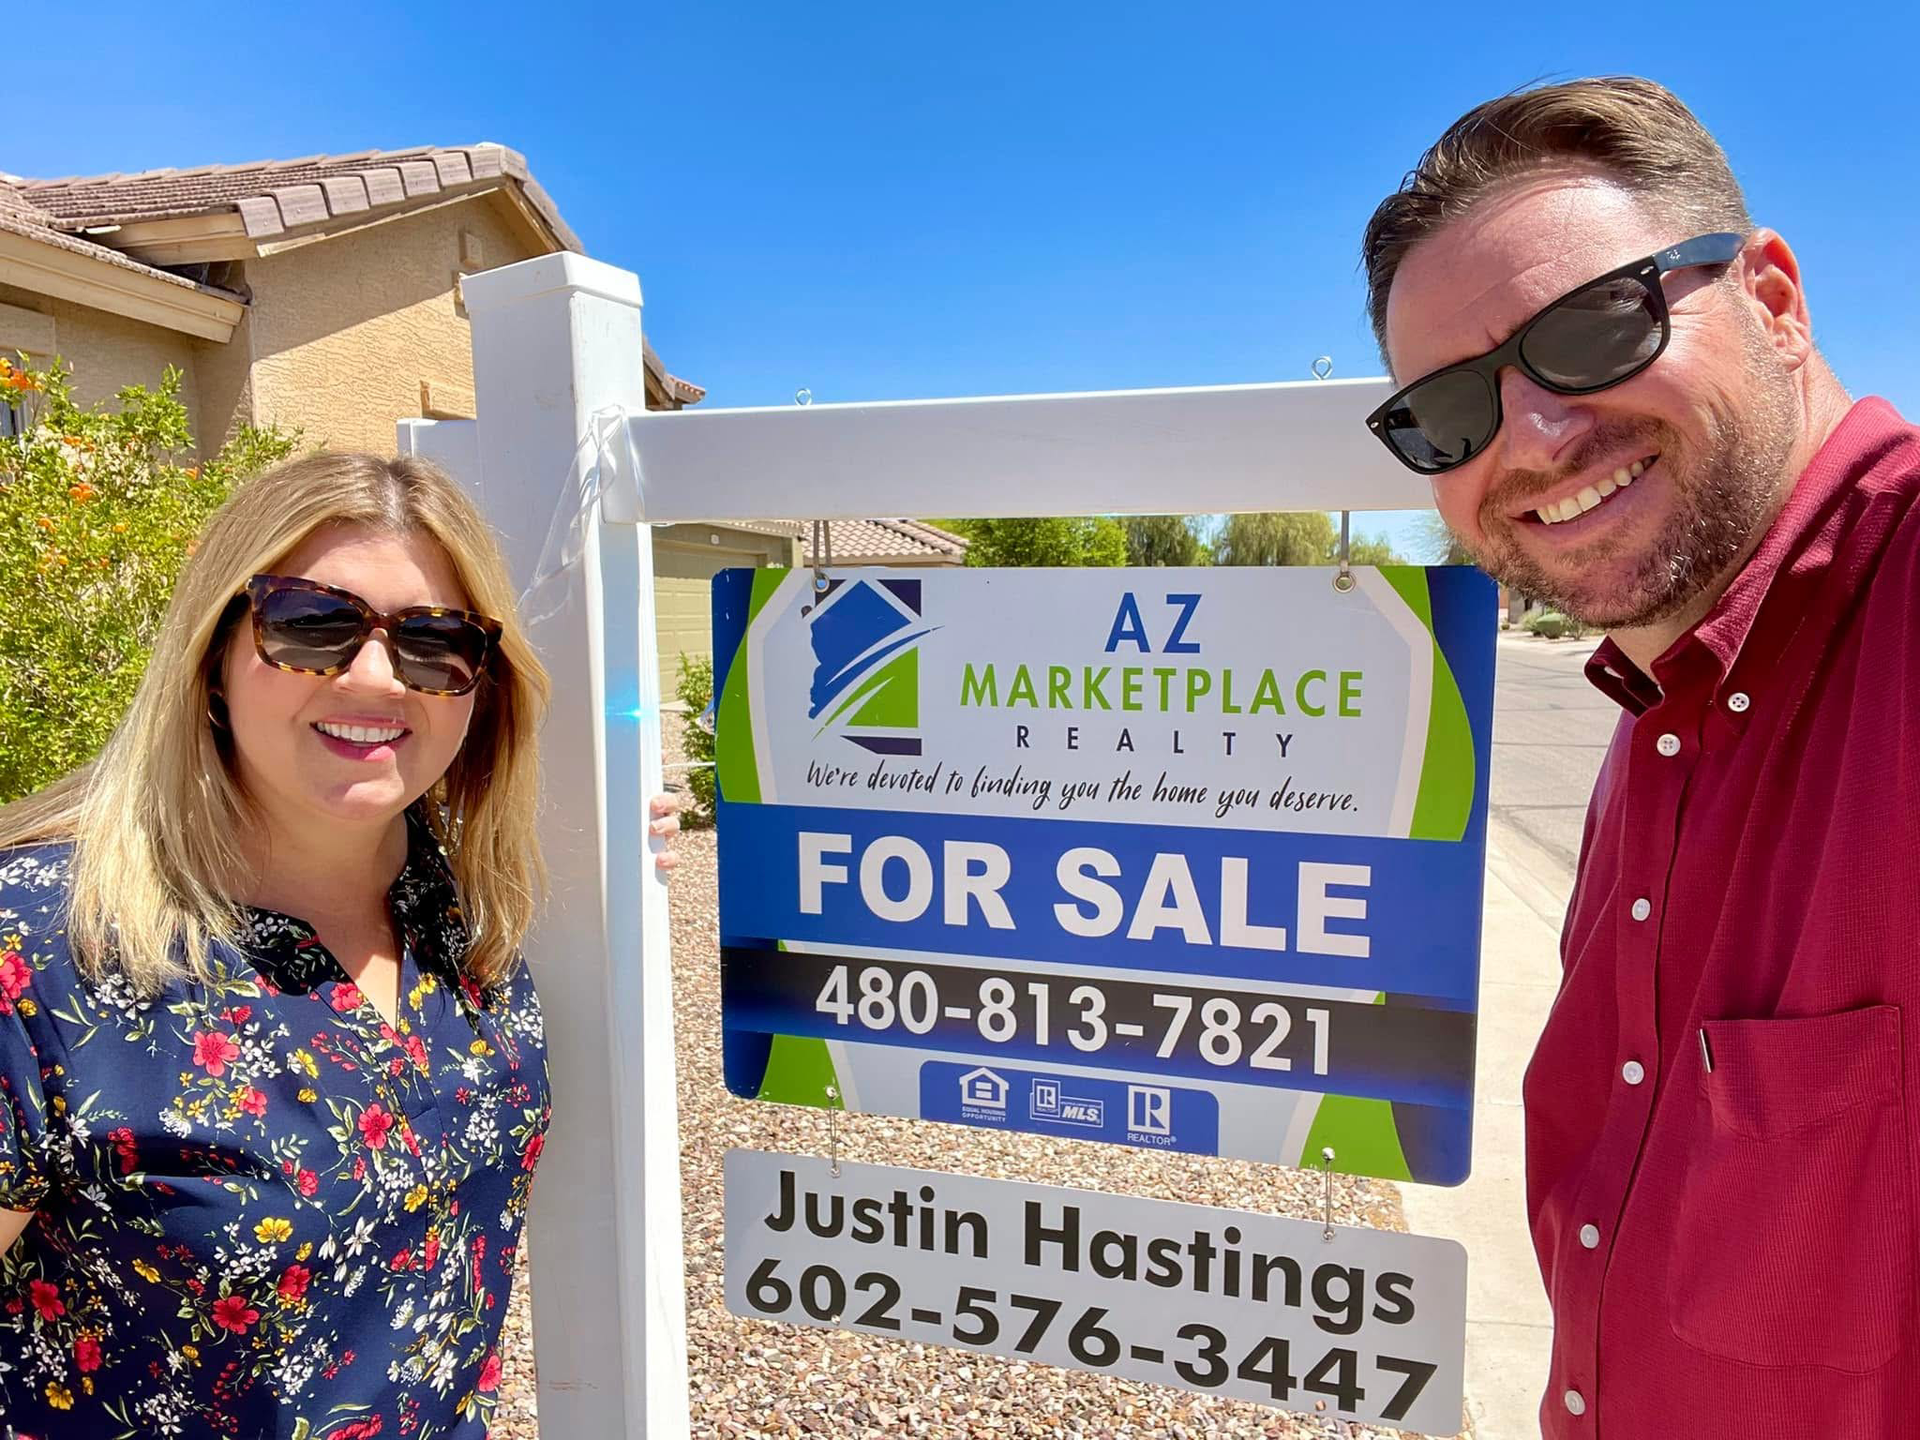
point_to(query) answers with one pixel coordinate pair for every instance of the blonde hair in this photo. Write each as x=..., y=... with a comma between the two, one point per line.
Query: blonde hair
x=155, y=817
x=1634, y=131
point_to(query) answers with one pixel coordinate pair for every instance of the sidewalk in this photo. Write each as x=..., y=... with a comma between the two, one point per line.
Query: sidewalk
x=1509, y=1328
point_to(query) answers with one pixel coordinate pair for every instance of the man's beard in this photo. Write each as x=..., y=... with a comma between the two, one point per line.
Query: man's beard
x=1722, y=498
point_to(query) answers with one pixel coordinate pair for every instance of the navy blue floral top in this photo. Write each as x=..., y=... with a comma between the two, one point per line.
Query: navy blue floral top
x=260, y=1209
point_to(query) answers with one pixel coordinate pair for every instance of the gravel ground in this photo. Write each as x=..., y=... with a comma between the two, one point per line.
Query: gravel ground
x=755, y=1378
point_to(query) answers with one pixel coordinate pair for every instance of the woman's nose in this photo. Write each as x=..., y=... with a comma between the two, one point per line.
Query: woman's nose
x=372, y=665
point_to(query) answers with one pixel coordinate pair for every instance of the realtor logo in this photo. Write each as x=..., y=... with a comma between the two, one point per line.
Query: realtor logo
x=866, y=676
x=1149, y=1110
x=1047, y=1103
x=981, y=1089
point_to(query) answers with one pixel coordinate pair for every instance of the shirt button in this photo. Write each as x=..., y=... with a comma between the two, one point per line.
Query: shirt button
x=1668, y=744
x=1575, y=1402
x=1590, y=1236
x=1738, y=702
x=1633, y=1072
x=1641, y=909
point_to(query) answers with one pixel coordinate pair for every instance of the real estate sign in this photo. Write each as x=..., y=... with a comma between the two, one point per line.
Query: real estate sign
x=1365, y=1325
x=1188, y=859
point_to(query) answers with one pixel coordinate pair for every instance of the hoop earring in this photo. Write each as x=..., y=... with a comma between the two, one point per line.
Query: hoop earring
x=217, y=722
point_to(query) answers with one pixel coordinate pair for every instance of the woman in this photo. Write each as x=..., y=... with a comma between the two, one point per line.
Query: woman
x=272, y=1079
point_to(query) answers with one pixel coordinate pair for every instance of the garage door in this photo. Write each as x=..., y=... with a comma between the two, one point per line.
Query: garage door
x=684, y=611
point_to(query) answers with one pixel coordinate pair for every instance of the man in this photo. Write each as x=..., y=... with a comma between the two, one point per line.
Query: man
x=1721, y=1142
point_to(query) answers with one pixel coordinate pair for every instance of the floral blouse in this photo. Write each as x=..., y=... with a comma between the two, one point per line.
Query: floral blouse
x=260, y=1209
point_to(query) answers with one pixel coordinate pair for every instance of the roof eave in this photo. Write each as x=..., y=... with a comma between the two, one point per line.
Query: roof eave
x=46, y=267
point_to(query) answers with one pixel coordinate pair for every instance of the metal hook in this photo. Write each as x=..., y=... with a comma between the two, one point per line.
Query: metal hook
x=803, y=396
x=1343, y=581
x=1326, y=1213
x=833, y=1133
x=1323, y=367
x=822, y=554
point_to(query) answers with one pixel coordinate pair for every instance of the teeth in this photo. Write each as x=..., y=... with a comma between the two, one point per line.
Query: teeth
x=360, y=734
x=1590, y=496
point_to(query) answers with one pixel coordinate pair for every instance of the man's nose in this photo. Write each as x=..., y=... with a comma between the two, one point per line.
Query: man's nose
x=1538, y=428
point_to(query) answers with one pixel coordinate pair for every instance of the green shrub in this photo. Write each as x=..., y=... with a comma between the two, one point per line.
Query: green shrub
x=1554, y=626
x=695, y=689
x=99, y=508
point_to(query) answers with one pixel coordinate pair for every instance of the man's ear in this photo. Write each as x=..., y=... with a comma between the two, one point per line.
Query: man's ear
x=1770, y=283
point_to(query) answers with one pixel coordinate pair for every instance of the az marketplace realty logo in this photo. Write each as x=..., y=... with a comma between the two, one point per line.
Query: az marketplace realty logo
x=866, y=674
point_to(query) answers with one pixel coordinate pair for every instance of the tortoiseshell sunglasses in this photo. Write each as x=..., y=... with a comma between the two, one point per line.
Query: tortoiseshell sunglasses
x=314, y=629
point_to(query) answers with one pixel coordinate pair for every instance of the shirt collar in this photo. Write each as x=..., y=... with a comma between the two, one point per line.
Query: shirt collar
x=1794, y=553
x=423, y=899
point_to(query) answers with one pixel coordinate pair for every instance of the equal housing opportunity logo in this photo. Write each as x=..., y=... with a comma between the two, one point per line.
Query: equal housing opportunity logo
x=866, y=676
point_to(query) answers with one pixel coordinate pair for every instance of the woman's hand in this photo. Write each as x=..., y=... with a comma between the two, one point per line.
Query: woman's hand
x=666, y=821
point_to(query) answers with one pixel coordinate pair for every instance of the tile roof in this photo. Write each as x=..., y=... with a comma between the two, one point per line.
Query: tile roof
x=273, y=196
x=866, y=542
x=19, y=216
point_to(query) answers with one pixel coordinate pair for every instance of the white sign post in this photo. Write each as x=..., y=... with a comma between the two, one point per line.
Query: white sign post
x=557, y=340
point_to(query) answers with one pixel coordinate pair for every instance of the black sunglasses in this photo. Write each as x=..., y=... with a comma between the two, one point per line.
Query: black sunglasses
x=314, y=629
x=1606, y=331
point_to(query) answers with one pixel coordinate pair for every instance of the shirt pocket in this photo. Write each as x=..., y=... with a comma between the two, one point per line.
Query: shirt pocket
x=1794, y=1239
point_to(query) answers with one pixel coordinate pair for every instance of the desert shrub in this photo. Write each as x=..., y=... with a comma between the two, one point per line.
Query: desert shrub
x=99, y=509
x=695, y=689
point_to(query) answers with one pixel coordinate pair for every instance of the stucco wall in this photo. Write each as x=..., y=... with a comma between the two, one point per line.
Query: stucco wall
x=107, y=351
x=224, y=374
x=344, y=330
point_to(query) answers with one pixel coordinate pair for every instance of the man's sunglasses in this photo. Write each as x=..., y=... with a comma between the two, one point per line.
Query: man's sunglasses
x=1606, y=331
x=314, y=629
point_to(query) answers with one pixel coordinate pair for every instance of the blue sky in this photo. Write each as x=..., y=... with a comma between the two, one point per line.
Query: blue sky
x=906, y=200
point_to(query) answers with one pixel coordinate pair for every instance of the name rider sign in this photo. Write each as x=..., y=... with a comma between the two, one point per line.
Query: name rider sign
x=1187, y=859
x=1367, y=1326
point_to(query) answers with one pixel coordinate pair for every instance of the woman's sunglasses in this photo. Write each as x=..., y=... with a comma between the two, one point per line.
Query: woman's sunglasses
x=314, y=629
x=1607, y=331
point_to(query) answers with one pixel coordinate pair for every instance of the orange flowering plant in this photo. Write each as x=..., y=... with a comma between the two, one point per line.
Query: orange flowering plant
x=99, y=507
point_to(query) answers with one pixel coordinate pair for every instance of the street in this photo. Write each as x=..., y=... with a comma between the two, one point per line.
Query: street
x=1550, y=731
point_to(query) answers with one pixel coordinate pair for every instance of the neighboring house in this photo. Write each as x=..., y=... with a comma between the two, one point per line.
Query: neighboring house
x=686, y=558
x=887, y=542
x=320, y=293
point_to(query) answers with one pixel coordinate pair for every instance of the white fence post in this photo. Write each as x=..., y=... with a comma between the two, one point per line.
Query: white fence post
x=554, y=340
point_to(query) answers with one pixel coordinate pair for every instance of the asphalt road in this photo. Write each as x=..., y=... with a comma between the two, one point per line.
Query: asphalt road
x=1550, y=733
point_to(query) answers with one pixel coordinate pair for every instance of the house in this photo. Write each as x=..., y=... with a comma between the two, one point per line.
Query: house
x=686, y=558
x=886, y=542
x=322, y=293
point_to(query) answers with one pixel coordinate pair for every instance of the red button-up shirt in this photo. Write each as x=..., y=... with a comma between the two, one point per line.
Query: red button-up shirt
x=1721, y=1115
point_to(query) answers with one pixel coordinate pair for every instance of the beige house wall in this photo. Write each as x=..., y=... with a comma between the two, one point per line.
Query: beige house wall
x=104, y=351
x=225, y=375
x=345, y=330
x=685, y=560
